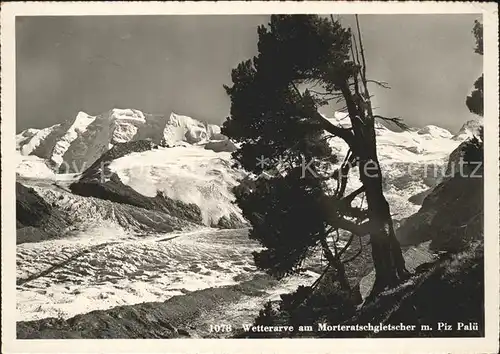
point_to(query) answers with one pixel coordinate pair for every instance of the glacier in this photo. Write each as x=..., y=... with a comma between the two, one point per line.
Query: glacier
x=189, y=174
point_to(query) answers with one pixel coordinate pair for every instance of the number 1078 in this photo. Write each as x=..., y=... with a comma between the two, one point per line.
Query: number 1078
x=220, y=328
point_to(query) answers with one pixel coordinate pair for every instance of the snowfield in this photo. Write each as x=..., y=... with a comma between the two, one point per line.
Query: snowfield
x=33, y=167
x=189, y=174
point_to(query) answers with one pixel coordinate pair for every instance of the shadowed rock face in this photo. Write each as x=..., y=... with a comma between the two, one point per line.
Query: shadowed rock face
x=46, y=146
x=450, y=290
x=87, y=212
x=420, y=197
x=98, y=181
x=231, y=222
x=51, y=212
x=36, y=220
x=452, y=168
x=451, y=216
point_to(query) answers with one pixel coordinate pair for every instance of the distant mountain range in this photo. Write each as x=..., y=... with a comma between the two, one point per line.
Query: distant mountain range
x=74, y=144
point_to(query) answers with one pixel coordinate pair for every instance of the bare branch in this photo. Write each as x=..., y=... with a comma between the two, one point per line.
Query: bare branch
x=379, y=83
x=328, y=137
x=367, y=102
x=347, y=245
x=357, y=253
x=328, y=252
x=343, y=133
x=344, y=224
x=356, y=61
x=315, y=84
x=335, y=249
x=325, y=93
x=346, y=116
x=362, y=52
x=357, y=213
x=316, y=282
x=345, y=171
x=340, y=99
x=398, y=121
x=349, y=198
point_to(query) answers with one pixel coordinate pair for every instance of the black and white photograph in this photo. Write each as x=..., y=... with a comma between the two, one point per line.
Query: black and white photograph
x=251, y=176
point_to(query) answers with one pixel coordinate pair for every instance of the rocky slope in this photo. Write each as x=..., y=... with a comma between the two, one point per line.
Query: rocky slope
x=84, y=213
x=37, y=220
x=449, y=289
x=451, y=215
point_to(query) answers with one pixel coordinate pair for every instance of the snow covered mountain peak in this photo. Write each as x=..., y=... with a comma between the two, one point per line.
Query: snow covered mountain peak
x=434, y=131
x=124, y=124
x=74, y=145
x=341, y=119
x=183, y=128
x=79, y=126
x=130, y=115
x=469, y=129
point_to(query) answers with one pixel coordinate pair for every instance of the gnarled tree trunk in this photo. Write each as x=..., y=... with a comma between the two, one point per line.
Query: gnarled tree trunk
x=386, y=252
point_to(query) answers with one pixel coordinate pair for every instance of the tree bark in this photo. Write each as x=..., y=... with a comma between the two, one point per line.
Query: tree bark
x=388, y=259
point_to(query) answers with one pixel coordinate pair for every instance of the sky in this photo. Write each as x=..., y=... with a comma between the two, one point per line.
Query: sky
x=163, y=64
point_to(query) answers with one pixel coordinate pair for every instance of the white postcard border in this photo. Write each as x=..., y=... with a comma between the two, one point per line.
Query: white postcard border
x=489, y=344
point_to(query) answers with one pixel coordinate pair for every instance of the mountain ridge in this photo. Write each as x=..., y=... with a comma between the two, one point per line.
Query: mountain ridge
x=77, y=143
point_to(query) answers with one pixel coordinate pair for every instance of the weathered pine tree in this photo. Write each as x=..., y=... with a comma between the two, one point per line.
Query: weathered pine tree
x=274, y=114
